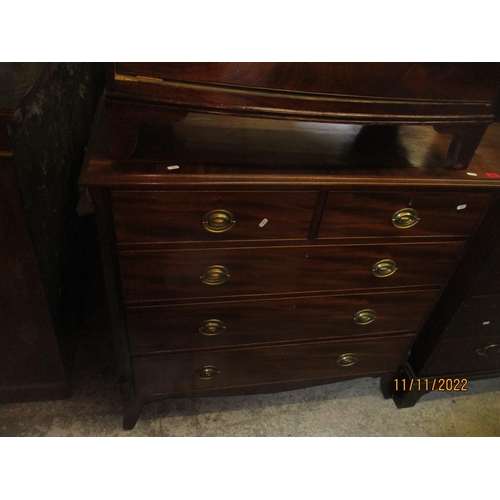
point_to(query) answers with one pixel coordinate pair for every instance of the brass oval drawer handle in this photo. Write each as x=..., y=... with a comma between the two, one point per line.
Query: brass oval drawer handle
x=347, y=359
x=207, y=372
x=215, y=275
x=218, y=221
x=365, y=317
x=212, y=327
x=384, y=268
x=405, y=218
x=489, y=350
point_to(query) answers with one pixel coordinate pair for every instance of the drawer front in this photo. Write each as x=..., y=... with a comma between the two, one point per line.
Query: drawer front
x=181, y=274
x=466, y=355
x=349, y=215
x=479, y=317
x=151, y=217
x=223, y=324
x=184, y=372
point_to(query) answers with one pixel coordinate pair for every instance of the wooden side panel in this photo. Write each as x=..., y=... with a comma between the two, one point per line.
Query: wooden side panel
x=177, y=275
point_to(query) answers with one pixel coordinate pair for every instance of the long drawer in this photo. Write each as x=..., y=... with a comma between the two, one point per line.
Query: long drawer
x=181, y=274
x=163, y=216
x=231, y=323
x=370, y=214
x=184, y=373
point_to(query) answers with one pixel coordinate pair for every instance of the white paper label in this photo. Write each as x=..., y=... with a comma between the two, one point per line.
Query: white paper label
x=263, y=222
x=173, y=167
x=472, y=174
x=461, y=207
x=486, y=322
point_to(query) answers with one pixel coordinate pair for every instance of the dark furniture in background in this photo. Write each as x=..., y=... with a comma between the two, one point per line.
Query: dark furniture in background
x=461, y=339
x=249, y=254
x=46, y=113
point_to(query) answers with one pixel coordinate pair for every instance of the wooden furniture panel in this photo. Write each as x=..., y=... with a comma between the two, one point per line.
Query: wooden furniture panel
x=460, y=97
x=177, y=373
x=465, y=356
x=177, y=274
x=152, y=217
x=471, y=81
x=232, y=323
x=350, y=215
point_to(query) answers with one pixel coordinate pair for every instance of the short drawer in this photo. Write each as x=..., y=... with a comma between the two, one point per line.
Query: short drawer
x=362, y=214
x=232, y=323
x=466, y=356
x=183, y=274
x=184, y=373
x=479, y=317
x=183, y=216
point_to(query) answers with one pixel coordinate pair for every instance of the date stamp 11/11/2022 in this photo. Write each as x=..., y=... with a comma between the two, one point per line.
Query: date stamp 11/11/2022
x=433, y=384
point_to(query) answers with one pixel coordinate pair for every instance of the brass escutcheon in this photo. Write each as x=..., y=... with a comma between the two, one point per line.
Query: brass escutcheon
x=365, y=317
x=489, y=350
x=207, y=372
x=405, y=218
x=347, y=359
x=218, y=221
x=215, y=275
x=384, y=268
x=212, y=327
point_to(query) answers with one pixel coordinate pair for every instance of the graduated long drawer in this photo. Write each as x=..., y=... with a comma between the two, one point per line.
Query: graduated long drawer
x=184, y=373
x=232, y=323
x=183, y=274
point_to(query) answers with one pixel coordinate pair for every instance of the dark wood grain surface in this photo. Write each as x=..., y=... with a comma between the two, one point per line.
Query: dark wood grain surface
x=465, y=81
x=162, y=328
x=152, y=217
x=174, y=275
x=176, y=373
x=353, y=215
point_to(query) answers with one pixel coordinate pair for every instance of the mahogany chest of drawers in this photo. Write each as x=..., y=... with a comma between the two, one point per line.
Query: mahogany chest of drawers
x=253, y=255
